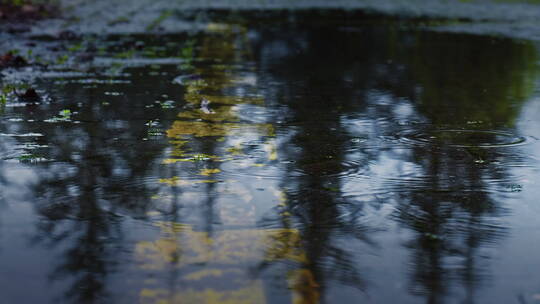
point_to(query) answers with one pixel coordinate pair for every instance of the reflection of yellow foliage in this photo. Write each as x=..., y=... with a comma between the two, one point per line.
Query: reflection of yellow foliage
x=208, y=172
x=178, y=143
x=169, y=161
x=201, y=129
x=233, y=100
x=152, y=293
x=195, y=98
x=236, y=150
x=229, y=247
x=178, y=147
x=169, y=181
x=273, y=155
x=194, y=86
x=218, y=27
x=175, y=181
x=190, y=158
x=251, y=294
x=171, y=228
x=285, y=245
x=305, y=288
x=224, y=256
x=220, y=76
x=195, y=276
x=198, y=129
x=282, y=197
x=166, y=250
x=271, y=149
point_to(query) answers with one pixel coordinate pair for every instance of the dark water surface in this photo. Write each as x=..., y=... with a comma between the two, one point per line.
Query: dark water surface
x=291, y=162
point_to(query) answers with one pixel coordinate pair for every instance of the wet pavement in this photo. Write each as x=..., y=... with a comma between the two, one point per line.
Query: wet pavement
x=280, y=159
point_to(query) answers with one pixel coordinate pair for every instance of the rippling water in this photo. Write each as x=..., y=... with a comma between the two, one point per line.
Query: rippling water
x=275, y=162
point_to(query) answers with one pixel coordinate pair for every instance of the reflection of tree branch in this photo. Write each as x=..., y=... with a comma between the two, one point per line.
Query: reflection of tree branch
x=451, y=224
x=82, y=195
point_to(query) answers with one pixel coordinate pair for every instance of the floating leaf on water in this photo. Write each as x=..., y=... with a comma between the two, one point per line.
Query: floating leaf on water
x=30, y=158
x=63, y=115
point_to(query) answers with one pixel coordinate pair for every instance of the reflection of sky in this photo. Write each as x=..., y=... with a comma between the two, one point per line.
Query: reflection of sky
x=20, y=261
x=517, y=257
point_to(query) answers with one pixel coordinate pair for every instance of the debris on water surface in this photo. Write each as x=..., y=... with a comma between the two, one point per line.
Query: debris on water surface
x=11, y=60
x=30, y=93
x=205, y=106
x=63, y=116
x=514, y=188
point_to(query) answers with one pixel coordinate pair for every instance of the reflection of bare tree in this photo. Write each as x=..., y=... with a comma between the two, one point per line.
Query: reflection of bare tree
x=323, y=223
x=452, y=211
x=77, y=214
x=454, y=222
x=455, y=211
x=328, y=225
x=98, y=176
x=319, y=79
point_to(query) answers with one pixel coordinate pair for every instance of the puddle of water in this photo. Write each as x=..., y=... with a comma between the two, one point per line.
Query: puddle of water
x=297, y=163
